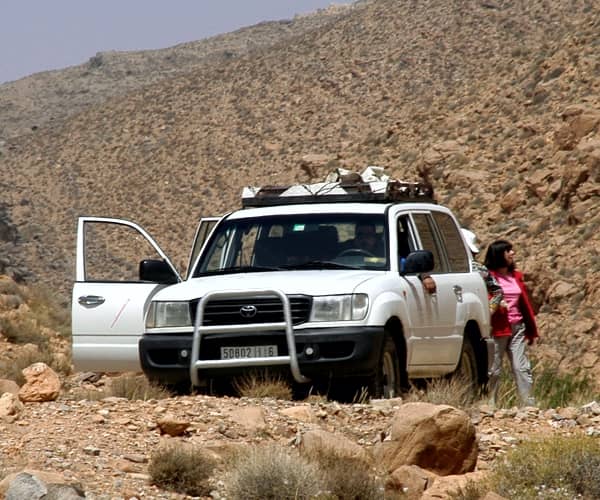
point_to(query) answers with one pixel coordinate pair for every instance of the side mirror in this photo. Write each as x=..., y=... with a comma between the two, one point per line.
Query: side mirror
x=419, y=261
x=157, y=271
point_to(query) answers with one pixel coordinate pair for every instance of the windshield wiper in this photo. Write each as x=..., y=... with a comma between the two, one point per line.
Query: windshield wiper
x=241, y=269
x=319, y=264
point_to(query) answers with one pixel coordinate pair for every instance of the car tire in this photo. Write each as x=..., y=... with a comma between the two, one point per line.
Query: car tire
x=389, y=379
x=467, y=369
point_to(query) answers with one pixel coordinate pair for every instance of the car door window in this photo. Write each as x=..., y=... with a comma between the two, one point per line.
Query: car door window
x=207, y=224
x=455, y=248
x=405, y=238
x=113, y=252
x=429, y=241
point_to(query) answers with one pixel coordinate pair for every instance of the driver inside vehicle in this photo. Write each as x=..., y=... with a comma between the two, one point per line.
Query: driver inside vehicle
x=366, y=239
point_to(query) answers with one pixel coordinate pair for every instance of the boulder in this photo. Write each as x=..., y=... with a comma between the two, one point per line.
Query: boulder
x=173, y=426
x=439, y=438
x=10, y=407
x=409, y=482
x=41, y=384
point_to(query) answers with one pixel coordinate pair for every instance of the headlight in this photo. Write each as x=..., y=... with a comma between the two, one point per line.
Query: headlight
x=340, y=307
x=165, y=314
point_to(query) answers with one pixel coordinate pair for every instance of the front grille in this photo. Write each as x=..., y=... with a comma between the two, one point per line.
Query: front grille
x=268, y=310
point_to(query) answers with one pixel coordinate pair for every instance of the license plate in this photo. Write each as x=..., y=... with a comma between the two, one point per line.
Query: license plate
x=249, y=351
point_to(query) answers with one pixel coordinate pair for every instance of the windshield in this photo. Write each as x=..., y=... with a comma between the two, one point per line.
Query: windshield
x=298, y=241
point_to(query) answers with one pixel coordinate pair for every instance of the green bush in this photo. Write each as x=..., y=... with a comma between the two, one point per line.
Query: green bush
x=182, y=468
x=551, y=388
x=554, y=389
x=553, y=468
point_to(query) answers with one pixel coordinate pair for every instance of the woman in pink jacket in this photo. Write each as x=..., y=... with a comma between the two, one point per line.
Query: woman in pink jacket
x=513, y=324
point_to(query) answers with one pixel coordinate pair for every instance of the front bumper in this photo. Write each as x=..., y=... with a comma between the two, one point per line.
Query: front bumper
x=322, y=352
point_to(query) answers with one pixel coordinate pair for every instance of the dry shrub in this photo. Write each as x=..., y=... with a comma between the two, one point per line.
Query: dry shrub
x=361, y=396
x=22, y=330
x=271, y=473
x=47, y=311
x=452, y=391
x=182, y=468
x=346, y=477
x=555, y=468
x=86, y=394
x=135, y=387
x=471, y=491
x=263, y=384
x=8, y=286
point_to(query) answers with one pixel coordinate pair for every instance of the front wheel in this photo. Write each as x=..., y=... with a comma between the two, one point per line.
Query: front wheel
x=388, y=380
x=467, y=370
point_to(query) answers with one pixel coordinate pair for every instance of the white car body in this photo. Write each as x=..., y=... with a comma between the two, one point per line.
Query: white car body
x=108, y=316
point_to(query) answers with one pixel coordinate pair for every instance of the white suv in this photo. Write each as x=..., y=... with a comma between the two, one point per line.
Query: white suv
x=283, y=283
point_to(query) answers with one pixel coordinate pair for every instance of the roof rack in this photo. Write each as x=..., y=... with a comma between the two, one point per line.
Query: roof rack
x=343, y=191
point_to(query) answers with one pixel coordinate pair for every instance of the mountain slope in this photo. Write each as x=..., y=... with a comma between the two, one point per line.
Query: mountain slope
x=497, y=103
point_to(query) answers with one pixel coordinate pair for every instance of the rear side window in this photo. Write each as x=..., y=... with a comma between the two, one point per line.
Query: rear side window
x=424, y=225
x=455, y=248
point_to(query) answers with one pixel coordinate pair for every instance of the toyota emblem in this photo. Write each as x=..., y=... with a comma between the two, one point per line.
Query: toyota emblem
x=248, y=311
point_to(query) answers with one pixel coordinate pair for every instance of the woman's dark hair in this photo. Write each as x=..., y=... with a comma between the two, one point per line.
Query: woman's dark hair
x=494, y=257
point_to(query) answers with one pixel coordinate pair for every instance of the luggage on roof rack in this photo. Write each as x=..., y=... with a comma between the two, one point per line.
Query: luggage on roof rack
x=390, y=191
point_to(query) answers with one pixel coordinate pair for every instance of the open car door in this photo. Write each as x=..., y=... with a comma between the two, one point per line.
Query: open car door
x=203, y=231
x=109, y=297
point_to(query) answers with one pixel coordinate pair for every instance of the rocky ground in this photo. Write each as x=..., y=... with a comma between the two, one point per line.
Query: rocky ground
x=106, y=445
x=54, y=422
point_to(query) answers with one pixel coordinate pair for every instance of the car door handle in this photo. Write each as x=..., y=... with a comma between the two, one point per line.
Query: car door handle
x=90, y=300
x=458, y=291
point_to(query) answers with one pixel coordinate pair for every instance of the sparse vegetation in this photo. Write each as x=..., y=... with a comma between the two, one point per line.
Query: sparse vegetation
x=33, y=320
x=135, y=387
x=347, y=477
x=11, y=369
x=552, y=388
x=130, y=386
x=553, y=468
x=272, y=473
x=471, y=491
x=182, y=468
x=23, y=330
x=448, y=391
x=263, y=384
x=47, y=311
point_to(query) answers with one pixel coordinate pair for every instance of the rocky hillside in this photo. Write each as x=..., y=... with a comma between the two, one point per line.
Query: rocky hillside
x=497, y=103
x=45, y=99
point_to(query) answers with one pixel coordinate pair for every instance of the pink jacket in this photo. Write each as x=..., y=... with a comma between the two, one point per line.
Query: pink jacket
x=500, y=325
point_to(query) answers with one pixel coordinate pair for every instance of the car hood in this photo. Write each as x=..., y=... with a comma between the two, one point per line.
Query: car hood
x=309, y=282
